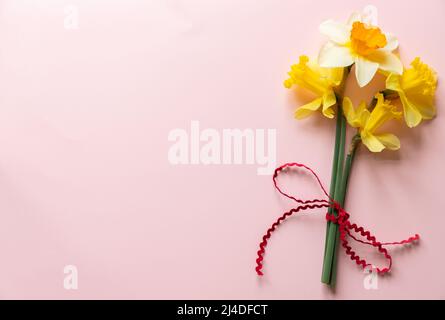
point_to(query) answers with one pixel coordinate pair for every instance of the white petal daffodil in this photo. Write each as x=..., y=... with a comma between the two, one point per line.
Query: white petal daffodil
x=361, y=44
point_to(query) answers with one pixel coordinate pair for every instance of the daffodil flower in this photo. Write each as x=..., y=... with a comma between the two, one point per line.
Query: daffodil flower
x=416, y=88
x=320, y=81
x=368, y=123
x=361, y=44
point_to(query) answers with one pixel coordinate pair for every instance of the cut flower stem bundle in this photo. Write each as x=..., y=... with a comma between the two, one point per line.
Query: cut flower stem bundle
x=339, y=181
x=339, y=185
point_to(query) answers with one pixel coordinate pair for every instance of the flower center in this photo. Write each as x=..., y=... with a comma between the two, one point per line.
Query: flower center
x=364, y=40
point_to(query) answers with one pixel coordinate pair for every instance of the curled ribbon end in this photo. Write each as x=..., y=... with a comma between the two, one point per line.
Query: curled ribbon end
x=259, y=265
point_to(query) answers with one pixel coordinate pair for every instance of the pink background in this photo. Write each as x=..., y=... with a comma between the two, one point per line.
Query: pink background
x=84, y=175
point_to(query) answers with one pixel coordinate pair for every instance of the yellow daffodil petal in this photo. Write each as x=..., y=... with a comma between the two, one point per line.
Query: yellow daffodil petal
x=412, y=115
x=389, y=140
x=333, y=56
x=371, y=142
x=377, y=143
x=361, y=109
x=349, y=112
x=288, y=83
x=329, y=100
x=424, y=104
x=416, y=88
x=383, y=112
x=356, y=118
x=365, y=70
x=306, y=110
x=369, y=122
x=335, y=75
x=309, y=75
x=320, y=81
x=393, y=82
x=337, y=32
x=330, y=76
x=364, y=116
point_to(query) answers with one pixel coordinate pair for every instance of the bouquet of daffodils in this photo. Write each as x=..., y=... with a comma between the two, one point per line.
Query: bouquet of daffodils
x=364, y=46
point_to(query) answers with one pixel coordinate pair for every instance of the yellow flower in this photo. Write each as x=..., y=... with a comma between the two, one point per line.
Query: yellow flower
x=369, y=122
x=416, y=88
x=359, y=43
x=320, y=81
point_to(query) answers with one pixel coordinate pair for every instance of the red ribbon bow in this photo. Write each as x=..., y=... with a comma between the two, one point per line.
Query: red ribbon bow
x=342, y=219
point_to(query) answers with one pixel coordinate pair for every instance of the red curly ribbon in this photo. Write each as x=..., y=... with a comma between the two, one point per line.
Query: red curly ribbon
x=342, y=219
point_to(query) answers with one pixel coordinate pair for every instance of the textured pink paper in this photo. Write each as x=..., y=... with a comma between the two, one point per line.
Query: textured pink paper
x=84, y=175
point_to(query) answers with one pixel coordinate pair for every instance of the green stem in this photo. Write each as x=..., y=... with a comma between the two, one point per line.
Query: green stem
x=332, y=227
x=336, y=179
x=342, y=197
x=334, y=171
